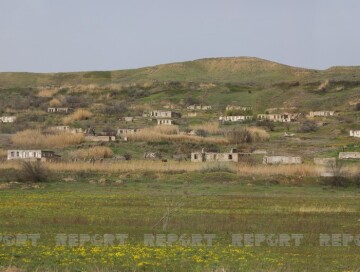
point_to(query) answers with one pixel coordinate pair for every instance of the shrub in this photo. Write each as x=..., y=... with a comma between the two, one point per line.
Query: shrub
x=266, y=123
x=190, y=100
x=357, y=107
x=307, y=126
x=115, y=108
x=201, y=132
x=32, y=172
x=246, y=135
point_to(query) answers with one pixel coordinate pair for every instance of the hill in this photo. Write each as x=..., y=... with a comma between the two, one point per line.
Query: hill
x=216, y=70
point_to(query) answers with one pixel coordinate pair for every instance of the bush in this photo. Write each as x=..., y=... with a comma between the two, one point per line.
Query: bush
x=266, y=123
x=191, y=101
x=32, y=172
x=246, y=135
x=116, y=108
x=201, y=132
x=357, y=107
x=308, y=126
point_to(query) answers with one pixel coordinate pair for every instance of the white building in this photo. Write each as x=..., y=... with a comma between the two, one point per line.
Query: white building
x=167, y=122
x=237, y=118
x=321, y=113
x=283, y=117
x=281, y=160
x=199, y=107
x=31, y=155
x=7, y=119
x=355, y=133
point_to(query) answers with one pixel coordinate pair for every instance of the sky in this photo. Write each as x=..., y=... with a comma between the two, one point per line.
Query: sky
x=85, y=35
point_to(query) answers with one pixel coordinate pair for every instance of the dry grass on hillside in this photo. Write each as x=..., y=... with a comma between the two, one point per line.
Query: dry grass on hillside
x=3, y=154
x=170, y=133
x=93, y=152
x=210, y=127
x=243, y=170
x=36, y=139
x=55, y=102
x=47, y=92
x=259, y=134
x=78, y=115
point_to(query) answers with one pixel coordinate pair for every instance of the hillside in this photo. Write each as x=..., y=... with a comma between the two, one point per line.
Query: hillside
x=217, y=70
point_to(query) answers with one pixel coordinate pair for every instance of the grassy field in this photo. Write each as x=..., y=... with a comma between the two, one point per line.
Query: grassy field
x=219, y=203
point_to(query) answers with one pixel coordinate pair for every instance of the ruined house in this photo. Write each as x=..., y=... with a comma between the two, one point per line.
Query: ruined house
x=60, y=110
x=199, y=107
x=233, y=156
x=281, y=117
x=325, y=161
x=237, y=118
x=99, y=138
x=282, y=160
x=164, y=114
x=355, y=133
x=125, y=131
x=239, y=108
x=32, y=155
x=129, y=119
x=7, y=119
x=168, y=122
x=105, y=136
x=192, y=114
x=349, y=155
x=321, y=113
x=66, y=129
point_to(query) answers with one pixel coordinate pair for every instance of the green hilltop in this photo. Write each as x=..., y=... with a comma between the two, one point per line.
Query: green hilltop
x=215, y=70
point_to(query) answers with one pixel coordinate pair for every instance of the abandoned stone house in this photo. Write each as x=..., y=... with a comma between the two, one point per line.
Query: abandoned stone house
x=60, y=110
x=283, y=117
x=192, y=114
x=124, y=131
x=129, y=119
x=282, y=160
x=199, y=107
x=241, y=108
x=237, y=118
x=167, y=122
x=325, y=161
x=232, y=156
x=164, y=114
x=321, y=113
x=349, y=155
x=66, y=129
x=7, y=119
x=355, y=133
x=100, y=138
x=32, y=155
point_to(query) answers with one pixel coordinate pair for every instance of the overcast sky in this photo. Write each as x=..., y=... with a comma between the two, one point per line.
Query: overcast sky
x=79, y=35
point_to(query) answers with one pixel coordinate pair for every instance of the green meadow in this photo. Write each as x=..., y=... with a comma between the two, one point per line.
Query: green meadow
x=208, y=203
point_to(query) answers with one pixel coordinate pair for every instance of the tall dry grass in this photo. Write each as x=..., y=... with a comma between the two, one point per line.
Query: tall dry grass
x=92, y=152
x=36, y=139
x=55, y=102
x=78, y=115
x=50, y=92
x=210, y=127
x=259, y=134
x=170, y=133
x=3, y=153
x=158, y=166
